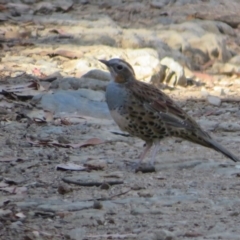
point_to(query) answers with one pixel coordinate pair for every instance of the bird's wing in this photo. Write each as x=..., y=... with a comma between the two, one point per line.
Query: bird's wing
x=160, y=104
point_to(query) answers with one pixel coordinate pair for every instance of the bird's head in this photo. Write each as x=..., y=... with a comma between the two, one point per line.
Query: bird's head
x=120, y=70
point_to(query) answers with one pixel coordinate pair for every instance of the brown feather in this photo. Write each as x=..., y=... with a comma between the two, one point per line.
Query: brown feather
x=148, y=113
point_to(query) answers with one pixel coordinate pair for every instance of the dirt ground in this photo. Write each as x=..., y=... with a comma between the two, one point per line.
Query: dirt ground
x=194, y=193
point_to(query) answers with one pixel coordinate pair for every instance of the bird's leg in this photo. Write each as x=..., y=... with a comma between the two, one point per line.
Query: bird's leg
x=145, y=151
x=137, y=164
x=154, y=153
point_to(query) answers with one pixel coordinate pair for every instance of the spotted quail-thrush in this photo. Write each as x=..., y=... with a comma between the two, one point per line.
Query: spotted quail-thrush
x=146, y=112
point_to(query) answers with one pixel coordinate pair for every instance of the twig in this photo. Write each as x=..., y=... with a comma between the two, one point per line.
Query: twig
x=91, y=184
x=111, y=197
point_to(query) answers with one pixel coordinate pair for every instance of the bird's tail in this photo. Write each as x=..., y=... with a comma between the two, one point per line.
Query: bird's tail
x=203, y=138
x=211, y=143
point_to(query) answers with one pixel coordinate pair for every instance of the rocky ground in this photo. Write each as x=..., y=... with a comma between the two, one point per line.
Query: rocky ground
x=64, y=174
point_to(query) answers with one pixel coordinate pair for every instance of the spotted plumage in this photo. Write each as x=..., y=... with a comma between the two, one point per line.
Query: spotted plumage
x=148, y=113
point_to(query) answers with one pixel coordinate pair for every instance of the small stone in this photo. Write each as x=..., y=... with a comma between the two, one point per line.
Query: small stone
x=76, y=234
x=96, y=164
x=219, y=90
x=216, y=101
x=178, y=78
x=145, y=194
x=105, y=186
x=63, y=188
x=97, y=205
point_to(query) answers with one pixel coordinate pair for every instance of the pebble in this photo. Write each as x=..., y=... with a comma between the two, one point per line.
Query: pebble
x=76, y=234
x=219, y=90
x=64, y=188
x=174, y=67
x=216, y=101
x=229, y=126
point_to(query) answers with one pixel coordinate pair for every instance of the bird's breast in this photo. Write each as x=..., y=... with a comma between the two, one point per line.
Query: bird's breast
x=116, y=95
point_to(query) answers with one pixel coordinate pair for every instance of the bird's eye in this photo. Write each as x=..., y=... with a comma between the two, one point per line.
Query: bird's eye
x=119, y=67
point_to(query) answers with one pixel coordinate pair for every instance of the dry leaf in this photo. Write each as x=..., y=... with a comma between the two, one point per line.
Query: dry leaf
x=40, y=116
x=89, y=142
x=70, y=166
x=22, y=90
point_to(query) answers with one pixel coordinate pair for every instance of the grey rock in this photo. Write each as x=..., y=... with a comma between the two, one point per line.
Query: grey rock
x=76, y=83
x=76, y=234
x=213, y=45
x=219, y=90
x=92, y=95
x=72, y=101
x=191, y=35
x=216, y=27
x=216, y=101
x=67, y=206
x=208, y=125
x=178, y=78
x=98, y=74
x=229, y=126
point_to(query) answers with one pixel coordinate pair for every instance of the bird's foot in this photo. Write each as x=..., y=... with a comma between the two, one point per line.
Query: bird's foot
x=144, y=167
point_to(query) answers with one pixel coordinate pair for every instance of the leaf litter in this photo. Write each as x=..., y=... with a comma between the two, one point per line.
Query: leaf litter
x=89, y=142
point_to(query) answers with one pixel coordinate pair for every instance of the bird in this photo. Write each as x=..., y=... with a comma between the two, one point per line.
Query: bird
x=146, y=112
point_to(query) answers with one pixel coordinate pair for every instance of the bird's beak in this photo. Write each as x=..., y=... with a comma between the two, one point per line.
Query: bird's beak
x=104, y=62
